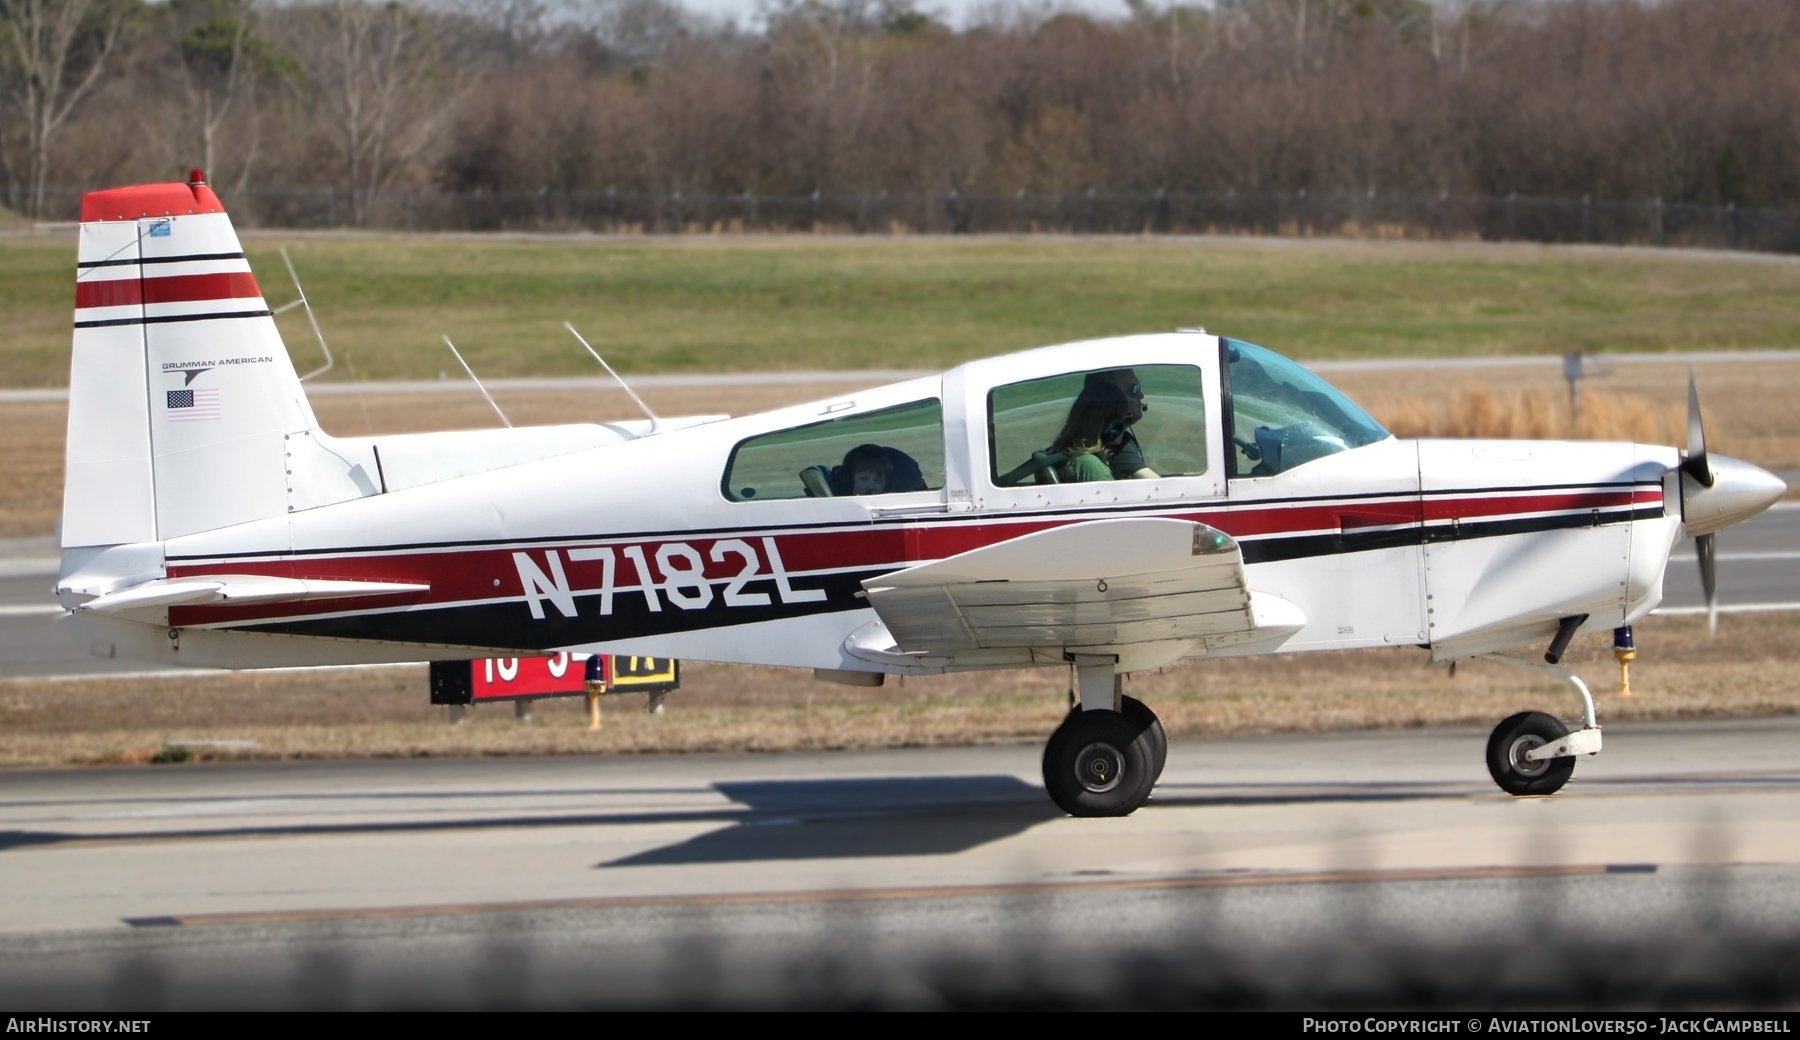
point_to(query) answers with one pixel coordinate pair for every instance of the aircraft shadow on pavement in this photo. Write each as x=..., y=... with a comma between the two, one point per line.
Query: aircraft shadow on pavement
x=830, y=819
x=879, y=817
x=835, y=818
x=806, y=819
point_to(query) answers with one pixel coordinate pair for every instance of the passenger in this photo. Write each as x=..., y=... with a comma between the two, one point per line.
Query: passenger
x=1094, y=430
x=870, y=470
x=1127, y=460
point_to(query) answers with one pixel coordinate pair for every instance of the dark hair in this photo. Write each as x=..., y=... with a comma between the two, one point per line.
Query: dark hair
x=1096, y=419
x=1098, y=390
x=1103, y=378
x=869, y=456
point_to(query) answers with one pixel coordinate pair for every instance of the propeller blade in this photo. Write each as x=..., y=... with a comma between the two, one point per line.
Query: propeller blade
x=1709, y=580
x=1696, y=464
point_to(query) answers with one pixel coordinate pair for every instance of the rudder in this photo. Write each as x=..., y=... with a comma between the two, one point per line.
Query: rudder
x=182, y=398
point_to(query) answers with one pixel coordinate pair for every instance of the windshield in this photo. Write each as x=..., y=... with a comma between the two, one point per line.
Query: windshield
x=1284, y=416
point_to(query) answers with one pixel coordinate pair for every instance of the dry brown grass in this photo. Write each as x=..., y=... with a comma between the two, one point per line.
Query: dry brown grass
x=1751, y=408
x=1472, y=410
x=385, y=712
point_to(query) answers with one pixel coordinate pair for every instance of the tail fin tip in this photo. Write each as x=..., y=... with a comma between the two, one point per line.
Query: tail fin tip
x=174, y=198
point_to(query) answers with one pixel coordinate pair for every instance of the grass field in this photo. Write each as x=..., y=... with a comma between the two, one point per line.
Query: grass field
x=1681, y=672
x=800, y=304
x=787, y=303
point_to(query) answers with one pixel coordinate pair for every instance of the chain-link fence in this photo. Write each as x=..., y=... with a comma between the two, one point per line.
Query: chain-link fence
x=1300, y=214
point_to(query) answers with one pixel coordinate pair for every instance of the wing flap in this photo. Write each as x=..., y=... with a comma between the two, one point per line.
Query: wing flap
x=1093, y=584
x=929, y=617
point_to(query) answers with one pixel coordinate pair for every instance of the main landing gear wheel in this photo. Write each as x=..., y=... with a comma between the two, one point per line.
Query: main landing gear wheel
x=1138, y=711
x=1506, y=750
x=1100, y=763
x=1159, y=739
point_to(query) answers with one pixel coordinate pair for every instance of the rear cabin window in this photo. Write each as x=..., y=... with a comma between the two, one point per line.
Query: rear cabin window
x=1027, y=420
x=887, y=452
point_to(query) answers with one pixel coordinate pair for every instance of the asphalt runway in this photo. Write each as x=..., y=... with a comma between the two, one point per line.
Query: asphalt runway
x=1345, y=871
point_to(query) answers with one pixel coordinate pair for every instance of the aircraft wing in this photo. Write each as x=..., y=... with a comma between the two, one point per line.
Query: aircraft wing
x=1099, y=583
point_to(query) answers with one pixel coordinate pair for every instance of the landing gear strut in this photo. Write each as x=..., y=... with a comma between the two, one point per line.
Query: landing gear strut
x=1108, y=752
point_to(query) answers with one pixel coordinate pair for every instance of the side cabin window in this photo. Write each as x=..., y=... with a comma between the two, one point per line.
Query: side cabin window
x=884, y=452
x=1105, y=424
x=1283, y=416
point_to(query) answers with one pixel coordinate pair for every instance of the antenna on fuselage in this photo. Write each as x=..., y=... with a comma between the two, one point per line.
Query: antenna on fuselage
x=477, y=382
x=654, y=421
x=302, y=302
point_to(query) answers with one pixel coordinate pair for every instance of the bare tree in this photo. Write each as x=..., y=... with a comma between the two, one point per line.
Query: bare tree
x=224, y=58
x=384, y=78
x=52, y=54
x=822, y=80
x=1458, y=29
x=640, y=31
x=1690, y=102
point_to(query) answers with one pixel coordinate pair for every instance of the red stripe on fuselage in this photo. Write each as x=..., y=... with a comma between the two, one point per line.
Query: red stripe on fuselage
x=1552, y=502
x=472, y=574
x=180, y=288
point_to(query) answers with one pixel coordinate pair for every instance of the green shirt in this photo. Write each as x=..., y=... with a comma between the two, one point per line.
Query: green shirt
x=1082, y=468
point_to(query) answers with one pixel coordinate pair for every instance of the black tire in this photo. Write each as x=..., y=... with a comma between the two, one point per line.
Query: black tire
x=1506, y=754
x=1138, y=711
x=1099, y=763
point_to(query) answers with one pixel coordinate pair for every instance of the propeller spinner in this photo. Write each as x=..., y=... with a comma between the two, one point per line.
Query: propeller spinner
x=1717, y=492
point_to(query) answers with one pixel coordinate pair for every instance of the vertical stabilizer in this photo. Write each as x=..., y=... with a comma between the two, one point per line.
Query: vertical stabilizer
x=182, y=397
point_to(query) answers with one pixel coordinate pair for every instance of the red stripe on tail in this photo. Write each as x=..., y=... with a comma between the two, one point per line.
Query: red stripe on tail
x=184, y=288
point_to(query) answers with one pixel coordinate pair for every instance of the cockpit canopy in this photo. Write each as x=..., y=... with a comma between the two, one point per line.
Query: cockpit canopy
x=1145, y=408
x=1283, y=416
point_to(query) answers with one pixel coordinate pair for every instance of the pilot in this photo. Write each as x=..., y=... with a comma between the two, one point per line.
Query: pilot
x=870, y=470
x=1096, y=427
x=1127, y=459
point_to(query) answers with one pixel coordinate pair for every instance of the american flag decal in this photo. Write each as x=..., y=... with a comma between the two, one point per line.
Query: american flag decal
x=193, y=405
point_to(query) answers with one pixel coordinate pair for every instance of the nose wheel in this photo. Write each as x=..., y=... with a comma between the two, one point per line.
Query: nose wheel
x=1509, y=748
x=1534, y=752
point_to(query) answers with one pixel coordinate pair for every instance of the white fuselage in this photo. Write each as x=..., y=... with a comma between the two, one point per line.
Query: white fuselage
x=1462, y=546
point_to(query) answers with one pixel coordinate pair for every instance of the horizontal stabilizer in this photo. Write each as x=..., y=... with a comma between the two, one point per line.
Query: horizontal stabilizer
x=233, y=589
x=1100, y=583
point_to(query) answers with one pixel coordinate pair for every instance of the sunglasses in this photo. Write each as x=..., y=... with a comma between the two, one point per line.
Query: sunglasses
x=1136, y=391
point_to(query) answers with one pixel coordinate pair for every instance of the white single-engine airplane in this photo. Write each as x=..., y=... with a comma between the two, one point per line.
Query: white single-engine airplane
x=208, y=520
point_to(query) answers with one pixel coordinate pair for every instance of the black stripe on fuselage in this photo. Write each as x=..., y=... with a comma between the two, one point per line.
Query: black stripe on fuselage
x=1268, y=550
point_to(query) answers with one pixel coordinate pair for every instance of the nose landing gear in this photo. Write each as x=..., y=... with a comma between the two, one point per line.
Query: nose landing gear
x=1533, y=752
